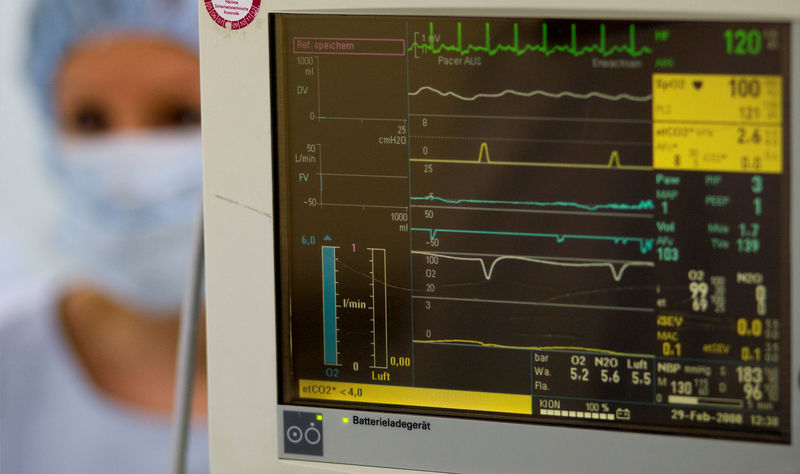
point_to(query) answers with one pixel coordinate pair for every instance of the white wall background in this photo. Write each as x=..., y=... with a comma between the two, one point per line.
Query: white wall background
x=28, y=204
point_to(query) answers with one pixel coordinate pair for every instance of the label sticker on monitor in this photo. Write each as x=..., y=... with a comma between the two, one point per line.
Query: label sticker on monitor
x=233, y=14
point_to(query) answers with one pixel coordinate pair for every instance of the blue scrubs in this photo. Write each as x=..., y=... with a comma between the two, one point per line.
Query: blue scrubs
x=54, y=420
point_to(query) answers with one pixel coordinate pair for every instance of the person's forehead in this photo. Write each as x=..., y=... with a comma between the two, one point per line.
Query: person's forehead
x=127, y=49
x=127, y=64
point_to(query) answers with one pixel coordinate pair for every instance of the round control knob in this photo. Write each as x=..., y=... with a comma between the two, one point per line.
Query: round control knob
x=313, y=436
x=294, y=434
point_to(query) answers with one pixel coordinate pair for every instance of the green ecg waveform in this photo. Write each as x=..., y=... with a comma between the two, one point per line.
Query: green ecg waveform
x=645, y=204
x=430, y=46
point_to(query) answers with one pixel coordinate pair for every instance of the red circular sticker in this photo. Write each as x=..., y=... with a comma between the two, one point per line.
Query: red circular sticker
x=236, y=13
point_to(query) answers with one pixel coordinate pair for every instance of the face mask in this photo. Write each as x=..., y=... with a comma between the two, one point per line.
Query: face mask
x=131, y=203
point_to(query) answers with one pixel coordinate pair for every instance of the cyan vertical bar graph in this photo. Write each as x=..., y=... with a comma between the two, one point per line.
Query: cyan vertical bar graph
x=330, y=339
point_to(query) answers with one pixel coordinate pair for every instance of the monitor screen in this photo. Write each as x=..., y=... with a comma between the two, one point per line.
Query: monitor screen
x=546, y=221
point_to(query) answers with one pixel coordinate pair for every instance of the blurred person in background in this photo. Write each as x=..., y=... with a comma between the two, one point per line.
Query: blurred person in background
x=87, y=372
x=18, y=280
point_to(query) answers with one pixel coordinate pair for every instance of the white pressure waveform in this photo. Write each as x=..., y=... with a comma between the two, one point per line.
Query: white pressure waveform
x=552, y=95
x=616, y=269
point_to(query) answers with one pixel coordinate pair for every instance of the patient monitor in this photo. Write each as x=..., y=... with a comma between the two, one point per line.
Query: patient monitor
x=515, y=236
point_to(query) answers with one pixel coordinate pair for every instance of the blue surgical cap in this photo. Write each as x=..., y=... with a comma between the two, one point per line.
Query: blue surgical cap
x=59, y=25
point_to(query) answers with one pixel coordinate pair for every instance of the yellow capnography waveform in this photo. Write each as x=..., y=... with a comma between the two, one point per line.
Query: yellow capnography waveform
x=529, y=348
x=484, y=158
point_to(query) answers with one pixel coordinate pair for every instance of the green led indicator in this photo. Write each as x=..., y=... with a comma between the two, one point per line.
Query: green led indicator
x=319, y=417
x=345, y=420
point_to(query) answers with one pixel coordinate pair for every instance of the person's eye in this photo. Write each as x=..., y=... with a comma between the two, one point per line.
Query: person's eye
x=88, y=119
x=182, y=116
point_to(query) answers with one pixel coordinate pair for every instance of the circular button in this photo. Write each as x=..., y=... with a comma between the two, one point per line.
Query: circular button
x=294, y=434
x=313, y=436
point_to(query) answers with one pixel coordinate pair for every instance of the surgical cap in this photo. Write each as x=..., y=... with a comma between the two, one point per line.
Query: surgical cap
x=59, y=25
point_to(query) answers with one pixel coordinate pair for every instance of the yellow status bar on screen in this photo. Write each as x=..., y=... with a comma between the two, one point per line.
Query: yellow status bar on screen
x=415, y=396
x=718, y=122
